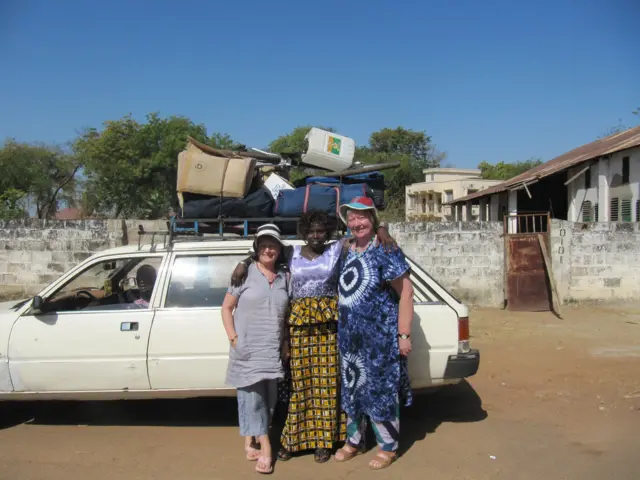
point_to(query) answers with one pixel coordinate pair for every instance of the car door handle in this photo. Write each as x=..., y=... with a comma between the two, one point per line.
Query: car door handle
x=129, y=327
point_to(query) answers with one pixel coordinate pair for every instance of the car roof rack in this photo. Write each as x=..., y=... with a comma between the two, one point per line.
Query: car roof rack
x=215, y=229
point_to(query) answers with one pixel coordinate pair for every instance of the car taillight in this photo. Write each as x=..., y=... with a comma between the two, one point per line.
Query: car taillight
x=463, y=335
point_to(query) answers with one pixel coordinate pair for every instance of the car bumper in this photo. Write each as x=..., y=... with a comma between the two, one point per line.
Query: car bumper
x=462, y=365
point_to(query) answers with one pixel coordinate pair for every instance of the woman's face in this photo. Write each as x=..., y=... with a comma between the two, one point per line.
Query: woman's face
x=316, y=236
x=360, y=223
x=268, y=251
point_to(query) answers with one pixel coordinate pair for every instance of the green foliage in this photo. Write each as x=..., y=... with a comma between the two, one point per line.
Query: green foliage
x=10, y=204
x=415, y=152
x=505, y=171
x=45, y=174
x=131, y=167
x=293, y=142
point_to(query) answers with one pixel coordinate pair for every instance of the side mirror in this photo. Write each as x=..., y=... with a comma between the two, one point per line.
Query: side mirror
x=38, y=304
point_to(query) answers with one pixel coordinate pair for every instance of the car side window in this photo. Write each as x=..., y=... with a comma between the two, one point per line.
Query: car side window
x=116, y=284
x=200, y=280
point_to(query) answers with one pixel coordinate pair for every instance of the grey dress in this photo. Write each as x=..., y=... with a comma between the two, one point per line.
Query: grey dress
x=259, y=322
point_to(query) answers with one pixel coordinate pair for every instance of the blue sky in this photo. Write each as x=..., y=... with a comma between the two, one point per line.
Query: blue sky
x=488, y=80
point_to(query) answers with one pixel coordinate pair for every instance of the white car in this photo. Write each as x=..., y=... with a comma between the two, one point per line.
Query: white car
x=85, y=338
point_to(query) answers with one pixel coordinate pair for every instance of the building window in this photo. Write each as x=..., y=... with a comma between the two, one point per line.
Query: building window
x=424, y=204
x=432, y=177
x=626, y=210
x=587, y=179
x=637, y=210
x=587, y=212
x=625, y=170
x=595, y=212
x=448, y=196
x=613, y=210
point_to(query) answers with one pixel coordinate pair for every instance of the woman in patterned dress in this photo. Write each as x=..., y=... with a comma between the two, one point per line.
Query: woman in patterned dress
x=375, y=314
x=314, y=418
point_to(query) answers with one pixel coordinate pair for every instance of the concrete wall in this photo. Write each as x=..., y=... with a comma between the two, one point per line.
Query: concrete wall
x=464, y=257
x=597, y=261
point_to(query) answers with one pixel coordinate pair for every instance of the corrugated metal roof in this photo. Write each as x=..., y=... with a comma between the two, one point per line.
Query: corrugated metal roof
x=605, y=146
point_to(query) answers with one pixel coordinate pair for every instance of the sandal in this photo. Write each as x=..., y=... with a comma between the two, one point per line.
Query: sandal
x=284, y=455
x=346, y=453
x=387, y=458
x=264, y=465
x=252, y=453
x=321, y=455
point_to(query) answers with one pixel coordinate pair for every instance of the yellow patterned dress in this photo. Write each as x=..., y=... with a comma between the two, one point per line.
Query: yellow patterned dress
x=314, y=418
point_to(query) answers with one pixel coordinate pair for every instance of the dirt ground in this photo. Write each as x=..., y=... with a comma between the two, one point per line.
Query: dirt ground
x=554, y=399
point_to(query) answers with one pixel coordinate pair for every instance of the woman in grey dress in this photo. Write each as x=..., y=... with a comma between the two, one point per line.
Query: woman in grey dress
x=257, y=337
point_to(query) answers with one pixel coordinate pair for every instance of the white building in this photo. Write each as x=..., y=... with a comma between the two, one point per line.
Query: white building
x=428, y=200
x=598, y=182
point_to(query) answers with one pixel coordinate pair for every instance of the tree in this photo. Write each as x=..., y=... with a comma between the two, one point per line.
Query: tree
x=293, y=142
x=505, y=171
x=131, y=167
x=413, y=149
x=44, y=174
x=10, y=204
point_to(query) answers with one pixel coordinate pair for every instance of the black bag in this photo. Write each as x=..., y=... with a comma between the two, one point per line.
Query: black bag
x=258, y=204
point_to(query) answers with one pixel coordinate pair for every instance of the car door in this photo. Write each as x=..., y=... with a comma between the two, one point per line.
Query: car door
x=188, y=348
x=84, y=344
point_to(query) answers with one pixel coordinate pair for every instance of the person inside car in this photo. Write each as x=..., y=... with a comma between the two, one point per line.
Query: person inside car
x=145, y=279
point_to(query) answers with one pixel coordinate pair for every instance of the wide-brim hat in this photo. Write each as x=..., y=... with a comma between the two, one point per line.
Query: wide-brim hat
x=268, y=230
x=359, y=203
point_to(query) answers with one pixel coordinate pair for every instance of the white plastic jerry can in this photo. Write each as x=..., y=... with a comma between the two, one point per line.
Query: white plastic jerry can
x=329, y=150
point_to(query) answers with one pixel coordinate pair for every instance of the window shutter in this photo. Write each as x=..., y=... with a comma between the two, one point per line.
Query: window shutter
x=613, y=210
x=626, y=210
x=595, y=212
x=586, y=212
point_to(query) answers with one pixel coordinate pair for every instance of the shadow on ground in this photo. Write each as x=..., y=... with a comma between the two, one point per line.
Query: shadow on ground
x=458, y=403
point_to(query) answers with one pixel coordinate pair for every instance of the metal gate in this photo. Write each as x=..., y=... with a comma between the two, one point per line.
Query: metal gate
x=527, y=286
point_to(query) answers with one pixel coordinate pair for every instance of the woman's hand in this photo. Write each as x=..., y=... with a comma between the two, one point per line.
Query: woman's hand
x=239, y=275
x=387, y=241
x=233, y=341
x=405, y=346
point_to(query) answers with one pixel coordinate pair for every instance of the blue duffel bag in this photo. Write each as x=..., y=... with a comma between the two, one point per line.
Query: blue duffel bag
x=326, y=198
x=375, y=181
x=293, y=203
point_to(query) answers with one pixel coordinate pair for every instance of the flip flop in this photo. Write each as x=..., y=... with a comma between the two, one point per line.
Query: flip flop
x=264, y=461
x=252, y=453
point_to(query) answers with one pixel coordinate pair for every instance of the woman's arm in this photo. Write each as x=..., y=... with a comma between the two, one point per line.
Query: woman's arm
x=228, y=305
x=385, y=239
x=403, y=287
x=239, y=274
